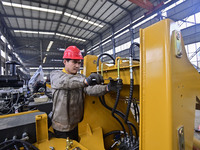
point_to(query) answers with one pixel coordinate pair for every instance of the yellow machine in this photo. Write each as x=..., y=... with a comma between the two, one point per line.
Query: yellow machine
x=163, y=83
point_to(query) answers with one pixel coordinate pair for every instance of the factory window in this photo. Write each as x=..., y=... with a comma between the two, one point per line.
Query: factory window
x=192, y=48
x=189, y=21
x=197, y=17
x=194, y=54
x=123, y=47
x=110, y=51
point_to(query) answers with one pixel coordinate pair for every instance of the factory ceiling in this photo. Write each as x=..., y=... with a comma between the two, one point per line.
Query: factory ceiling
x=39, y=30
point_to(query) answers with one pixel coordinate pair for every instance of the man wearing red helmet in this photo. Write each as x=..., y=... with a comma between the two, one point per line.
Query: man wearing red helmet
x=68, y=90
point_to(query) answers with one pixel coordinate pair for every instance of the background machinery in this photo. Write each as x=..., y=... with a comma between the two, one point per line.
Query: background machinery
x=154, y=110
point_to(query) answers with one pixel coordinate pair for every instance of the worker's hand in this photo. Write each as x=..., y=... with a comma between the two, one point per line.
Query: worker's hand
x=94, y=79
x=114, y=85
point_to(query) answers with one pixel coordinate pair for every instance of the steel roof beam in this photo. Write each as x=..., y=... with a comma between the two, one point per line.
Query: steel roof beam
x=132, y=24
x=146, y=4
x=119, y=6
x=45, y=31
x=61, y=17
x=40, y=19
x=41, y=2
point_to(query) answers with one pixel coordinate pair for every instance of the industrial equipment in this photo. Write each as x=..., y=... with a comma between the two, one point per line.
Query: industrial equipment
x=16, y=96
x=13, y=90
x=154, y=110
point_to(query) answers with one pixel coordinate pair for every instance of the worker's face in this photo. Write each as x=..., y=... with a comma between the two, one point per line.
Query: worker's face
x=72, y=66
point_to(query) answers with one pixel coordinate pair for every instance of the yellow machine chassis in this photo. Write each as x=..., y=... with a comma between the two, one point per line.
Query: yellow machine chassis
x=165, y=85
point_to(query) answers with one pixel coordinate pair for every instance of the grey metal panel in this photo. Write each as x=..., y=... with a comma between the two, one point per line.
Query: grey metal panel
x=123, y=22
x=8, y=10
x=13, y=22
x=95, y=8
x=60, y=2
x=127, y=4
x=107, y=7
x=122, y=39
x=191, y=34
x=107, y=46
x=35, y=24
x=106, y=33
x=70, y=31
x=184, y=9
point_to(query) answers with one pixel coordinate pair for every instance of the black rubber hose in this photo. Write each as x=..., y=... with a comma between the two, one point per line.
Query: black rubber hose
x=129, y=100
x=128, y=109
x=135, y=111
x=131, y=47
x=25, y=147
x=103, y=55
x=18, y=141
x=113, y=132
x=119, y=113
x=113, y=111
x=8, y=146
x=136, y=132
x=16, y=148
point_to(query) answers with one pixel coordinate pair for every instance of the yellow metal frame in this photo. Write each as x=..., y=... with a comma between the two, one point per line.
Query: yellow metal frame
x=166, y=84
x=169, y=85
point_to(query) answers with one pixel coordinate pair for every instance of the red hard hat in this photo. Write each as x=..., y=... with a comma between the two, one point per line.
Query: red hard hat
x=72, y=52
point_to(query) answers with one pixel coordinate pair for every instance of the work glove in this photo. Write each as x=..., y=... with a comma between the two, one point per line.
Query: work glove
x=94, y=79
x=115, y=85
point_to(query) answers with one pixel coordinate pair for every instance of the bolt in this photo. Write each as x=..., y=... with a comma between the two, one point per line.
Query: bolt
x=51, y=148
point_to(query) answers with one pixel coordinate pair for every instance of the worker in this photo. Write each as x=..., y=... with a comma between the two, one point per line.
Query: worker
x=68, y=89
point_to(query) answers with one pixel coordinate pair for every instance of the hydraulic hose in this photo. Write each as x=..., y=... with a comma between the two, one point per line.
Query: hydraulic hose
x=129, y=100
x=113, y=132
x=114, y=109
x=131, y=90
x=12, y=142
x=119, y=113
x=131, y=49
x=101, y=56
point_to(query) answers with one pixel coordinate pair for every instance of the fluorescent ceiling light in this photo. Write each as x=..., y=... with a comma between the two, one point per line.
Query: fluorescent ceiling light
x=3, y=39
x=3, y=54
x=25, y=31
x=49, y=11
x=48, y=33
x=49, y=46
x=44, y=59
x=31, y=7
x=33, y=68
x=70, y=37
x=9, y=46
x=9, y=58
x=57, y=60
x=82, y=19
x=34, y=32
x=45, y=68
x=61, y=49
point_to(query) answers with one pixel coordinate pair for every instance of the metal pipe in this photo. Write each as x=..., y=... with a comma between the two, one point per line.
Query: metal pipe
x=100, y=57
x=118, y=66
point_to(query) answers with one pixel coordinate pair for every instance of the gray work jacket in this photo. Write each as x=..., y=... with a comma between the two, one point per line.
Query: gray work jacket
x=68, y=99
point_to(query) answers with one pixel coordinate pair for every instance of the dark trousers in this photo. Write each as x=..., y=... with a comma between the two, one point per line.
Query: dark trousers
x=73, y=134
